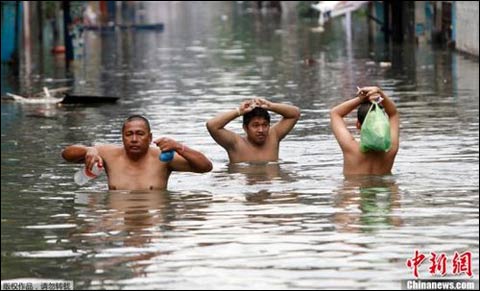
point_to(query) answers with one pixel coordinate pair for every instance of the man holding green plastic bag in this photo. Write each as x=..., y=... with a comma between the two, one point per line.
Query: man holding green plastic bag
x=379, y=135
x=375, y=131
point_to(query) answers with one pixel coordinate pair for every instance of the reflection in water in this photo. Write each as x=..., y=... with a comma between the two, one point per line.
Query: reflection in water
x=264, y=176
x=136, y=213
x=367, y=203
x=120, y=227
x=262, y=173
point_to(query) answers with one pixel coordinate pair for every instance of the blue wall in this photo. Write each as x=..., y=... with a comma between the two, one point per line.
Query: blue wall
x=9, y=39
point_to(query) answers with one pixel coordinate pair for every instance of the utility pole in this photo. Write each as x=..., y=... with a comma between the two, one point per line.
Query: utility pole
x=67, y=23
x=27, y=42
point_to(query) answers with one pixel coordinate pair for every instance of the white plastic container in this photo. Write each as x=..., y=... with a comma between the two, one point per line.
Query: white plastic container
x=83, y=175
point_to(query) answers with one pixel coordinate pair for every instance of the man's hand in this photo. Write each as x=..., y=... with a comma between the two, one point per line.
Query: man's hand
x=263, y=103
x=188, y=159
x=370, y=93
x=249, y=105
x=167, y=144
x=246, y=106
x=91, y=157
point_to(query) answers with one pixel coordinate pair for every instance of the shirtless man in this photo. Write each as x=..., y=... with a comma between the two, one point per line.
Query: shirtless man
x=261, y=143
x=356, y=162
x=135, y=165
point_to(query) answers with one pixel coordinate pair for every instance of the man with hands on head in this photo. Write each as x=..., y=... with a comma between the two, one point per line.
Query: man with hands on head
x=355, y=161
x=261, y=142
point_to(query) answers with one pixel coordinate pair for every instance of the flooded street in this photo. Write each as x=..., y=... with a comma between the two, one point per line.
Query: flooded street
x=295, y=224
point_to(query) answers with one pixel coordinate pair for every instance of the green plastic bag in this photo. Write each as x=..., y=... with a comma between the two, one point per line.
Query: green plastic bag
x=375, y=132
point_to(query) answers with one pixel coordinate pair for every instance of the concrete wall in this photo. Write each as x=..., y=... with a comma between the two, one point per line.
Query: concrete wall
x=467, y=26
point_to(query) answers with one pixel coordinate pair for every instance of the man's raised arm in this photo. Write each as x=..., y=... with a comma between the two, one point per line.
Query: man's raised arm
x=187, y=159
x=344, y=138
x=216, y=126
x=290, y=115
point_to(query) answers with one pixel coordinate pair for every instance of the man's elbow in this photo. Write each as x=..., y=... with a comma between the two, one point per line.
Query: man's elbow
x=205, y=168
x=72, y=154
x=393, y=113
x=63, y=154
x=297, y=113
x=66, y=154
x=333, y=112
x=209, y=167
x=335, y=117
x=209, y=125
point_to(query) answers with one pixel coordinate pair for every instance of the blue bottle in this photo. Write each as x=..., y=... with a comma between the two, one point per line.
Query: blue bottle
x=166, y=156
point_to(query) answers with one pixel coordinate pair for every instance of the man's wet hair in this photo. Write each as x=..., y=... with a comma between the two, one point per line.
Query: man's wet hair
x=134, y=117
x=256, y=112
